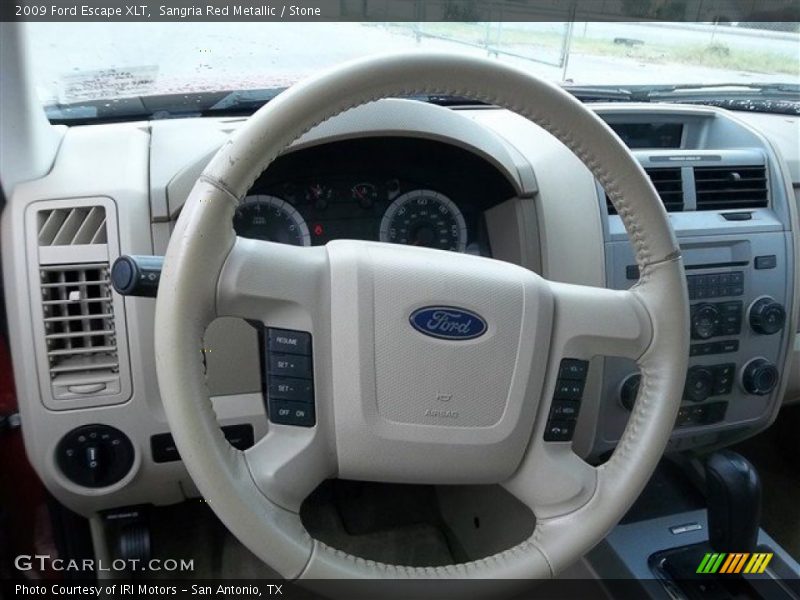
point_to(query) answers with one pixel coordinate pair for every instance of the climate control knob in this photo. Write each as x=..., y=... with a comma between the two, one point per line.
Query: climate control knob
x=767, y=316
x=699, y=384
x=759, y=377
x=705, y=321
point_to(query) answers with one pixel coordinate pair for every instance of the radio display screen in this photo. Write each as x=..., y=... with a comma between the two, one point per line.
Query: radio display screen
x=649, y=135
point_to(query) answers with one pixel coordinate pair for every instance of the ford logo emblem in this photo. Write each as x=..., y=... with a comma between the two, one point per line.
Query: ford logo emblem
x=448, y=323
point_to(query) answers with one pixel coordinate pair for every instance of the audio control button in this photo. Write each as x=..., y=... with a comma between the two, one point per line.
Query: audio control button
x=705, y=320
x=699, y=384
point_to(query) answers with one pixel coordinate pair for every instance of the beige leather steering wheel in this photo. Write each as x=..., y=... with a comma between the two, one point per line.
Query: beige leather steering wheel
x=377, y=379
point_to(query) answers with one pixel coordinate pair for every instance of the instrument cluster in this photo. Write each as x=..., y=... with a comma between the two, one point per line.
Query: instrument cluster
x=388, y=210
x=392, y=189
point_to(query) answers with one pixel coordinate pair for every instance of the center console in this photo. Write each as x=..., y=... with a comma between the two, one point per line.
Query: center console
x=731, y=218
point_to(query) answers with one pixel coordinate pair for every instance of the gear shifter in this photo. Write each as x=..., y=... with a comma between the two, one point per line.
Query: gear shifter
x=734, y=502
x=733, y=494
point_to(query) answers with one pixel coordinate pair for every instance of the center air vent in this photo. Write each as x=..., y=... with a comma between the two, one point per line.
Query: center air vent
x=668, y=184
x=72, y=226
x=79, y=329
x=719, y=188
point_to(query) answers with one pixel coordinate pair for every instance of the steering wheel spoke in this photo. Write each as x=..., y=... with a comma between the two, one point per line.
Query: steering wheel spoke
x=289, y=462
x=552, y=480
x=275, y=284
x=593, y=321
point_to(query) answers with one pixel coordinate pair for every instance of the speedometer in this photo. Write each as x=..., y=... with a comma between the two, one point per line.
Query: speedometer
x=424, y=218
x=271, y=219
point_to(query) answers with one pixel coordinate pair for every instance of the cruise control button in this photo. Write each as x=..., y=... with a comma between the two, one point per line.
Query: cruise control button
x=295, y=390
x=290, y=365
x=291, y=413
x=287, y=340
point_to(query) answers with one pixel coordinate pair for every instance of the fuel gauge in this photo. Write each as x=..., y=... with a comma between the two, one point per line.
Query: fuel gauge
x=366, y=194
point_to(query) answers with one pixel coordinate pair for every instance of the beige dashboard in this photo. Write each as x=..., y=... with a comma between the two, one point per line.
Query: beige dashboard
x=139, y=175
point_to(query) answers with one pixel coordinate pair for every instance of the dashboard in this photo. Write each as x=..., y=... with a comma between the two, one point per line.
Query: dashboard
x=473, y=179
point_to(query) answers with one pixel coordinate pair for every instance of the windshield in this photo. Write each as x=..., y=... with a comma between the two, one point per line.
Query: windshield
x=85, y=62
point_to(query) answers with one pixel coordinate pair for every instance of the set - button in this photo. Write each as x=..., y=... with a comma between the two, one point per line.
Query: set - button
x=290, y=377
x=566, y=400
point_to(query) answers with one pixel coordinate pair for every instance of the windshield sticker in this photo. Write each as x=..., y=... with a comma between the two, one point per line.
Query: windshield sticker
x=107, y=83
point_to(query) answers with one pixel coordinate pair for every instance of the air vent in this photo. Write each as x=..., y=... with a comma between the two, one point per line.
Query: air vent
x=84, y=225
x=79, y=329
x=668, y=184
x=719, y=188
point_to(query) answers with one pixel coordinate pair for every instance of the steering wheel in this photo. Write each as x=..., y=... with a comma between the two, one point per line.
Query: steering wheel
x=380, y=383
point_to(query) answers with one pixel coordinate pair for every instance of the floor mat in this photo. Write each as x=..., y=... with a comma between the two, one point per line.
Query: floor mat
x=395, y=524
x=192, y=531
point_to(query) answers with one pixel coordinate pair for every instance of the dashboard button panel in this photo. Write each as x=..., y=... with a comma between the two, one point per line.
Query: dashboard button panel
x=715, y=285
x=289, y=377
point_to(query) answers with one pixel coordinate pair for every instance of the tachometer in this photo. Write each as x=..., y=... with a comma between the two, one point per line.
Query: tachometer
x=424, y=218
x=271, y=219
